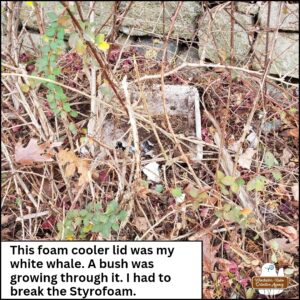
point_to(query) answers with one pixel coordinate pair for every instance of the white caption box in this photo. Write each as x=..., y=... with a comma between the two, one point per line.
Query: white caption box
x=106, y=270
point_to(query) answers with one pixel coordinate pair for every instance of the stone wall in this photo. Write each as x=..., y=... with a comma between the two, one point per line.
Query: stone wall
x=206, y=30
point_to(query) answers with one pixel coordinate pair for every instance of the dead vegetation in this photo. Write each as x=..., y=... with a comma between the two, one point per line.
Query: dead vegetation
x=55, y=164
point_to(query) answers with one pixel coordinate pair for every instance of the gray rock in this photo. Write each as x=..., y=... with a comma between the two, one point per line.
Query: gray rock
x=146, y=18
x=214, y=36
x=285, y=58
x=152, y=48
x=247, y=8
x=289, y=19
x=103, y=9
x=189, y=55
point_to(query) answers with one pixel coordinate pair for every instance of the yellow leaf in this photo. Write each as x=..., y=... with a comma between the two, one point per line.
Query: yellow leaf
x=29, y=3
x=246, y=211
x=69, y=238
x=150, y=54
x=70, y=170
x=80, y=47
x=104, y=46
x=24, y=88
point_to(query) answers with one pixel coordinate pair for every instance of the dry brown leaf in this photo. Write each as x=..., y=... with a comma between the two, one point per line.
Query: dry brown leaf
x=286, y=156
x=69, y=158
x=70, y=170
x=245, y=159
x=31, y=153
x=293, y=132
x=141, y=224
x=66, y=156
x=5, y=219
x=289, y=231
x=284, y=245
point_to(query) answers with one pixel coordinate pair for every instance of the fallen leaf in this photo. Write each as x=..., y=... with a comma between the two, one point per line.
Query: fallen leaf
x=31, y=153
x=286, y=156
x=69, y=158
x=246, y=211
x=141, y=224
x=270, y=159
x=293, y=132
x=151, y=170
x=253, y=140
x=245, y=159
x=289, y=231
x=295, y=191
x=5, y=219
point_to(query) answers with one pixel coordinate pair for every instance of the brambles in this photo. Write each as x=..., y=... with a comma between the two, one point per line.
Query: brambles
x=230, y=181
x=48, y=67
x=92, y=219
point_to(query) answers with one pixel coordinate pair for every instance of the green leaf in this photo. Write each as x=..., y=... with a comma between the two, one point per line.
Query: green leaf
x=115, y=226
x=250, y=293
x=240, y=181
x=106, y=230
x=111, y=207
x=219, y=214
x=227, y=207
x=83, y=212
x=112, y=219
x=202, y=196
x=73, y=213
x=106, y=90
x=274, y=245
x=56, y=71
x=193, y=192
x=235, y=187
x=103, y=218
x=220, y=175
x=52, y=16
x=72, y=128
x=73, y=113
x=224, y=191
x=122, y=215
x=270, y=160
x=78, y=221
x=97, y=228
x=176, y=192
x=228, y=180
x=98, y=206
x=50, y=32
x=277, y=175
x=61, y=33
x=257, y=183
x=159, y=188
x=67, y=107
x=233, y=215
x=50, y=98
x=53, y=105
x=99, y=38
x=25, y=88
x=80, y=47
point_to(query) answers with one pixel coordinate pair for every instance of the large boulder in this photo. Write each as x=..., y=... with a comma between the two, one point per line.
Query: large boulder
x=146, y=18
x=285, y=56
x=103, y=9
x=289, y=15
x=214, y=36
